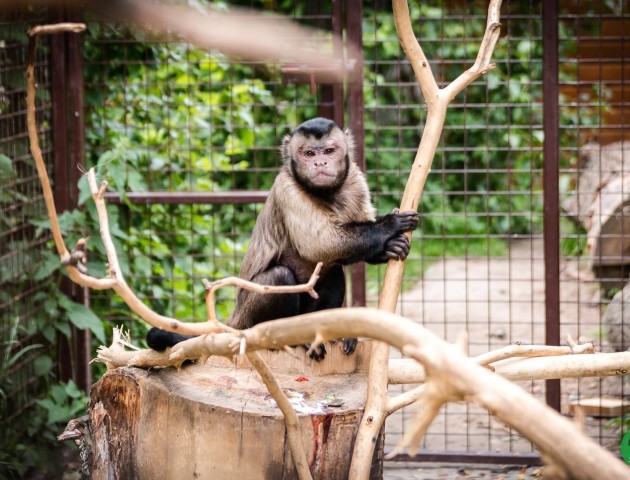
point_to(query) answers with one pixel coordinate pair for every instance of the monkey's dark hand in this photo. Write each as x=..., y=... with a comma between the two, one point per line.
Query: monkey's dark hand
x=349, y=345
x=396, y=248
x=397, y=222
x=318, y=353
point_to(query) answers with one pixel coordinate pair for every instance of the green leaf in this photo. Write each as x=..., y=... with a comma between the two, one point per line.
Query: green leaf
x=72, y=390
x=82, y=317
x=43, y=365
x=64, y=328
x=48, y=267
x=6, y=168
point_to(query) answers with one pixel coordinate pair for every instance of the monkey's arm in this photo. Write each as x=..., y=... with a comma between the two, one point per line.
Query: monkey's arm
x=378, y=241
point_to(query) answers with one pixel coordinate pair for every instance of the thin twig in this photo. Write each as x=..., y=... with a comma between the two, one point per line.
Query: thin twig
x=211, y=287
x=291, y=420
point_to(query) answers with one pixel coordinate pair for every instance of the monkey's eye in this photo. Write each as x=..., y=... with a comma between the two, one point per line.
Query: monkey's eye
x=309, y=153
x=329, y=151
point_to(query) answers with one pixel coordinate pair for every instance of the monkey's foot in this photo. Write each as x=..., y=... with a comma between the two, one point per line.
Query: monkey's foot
x=318, y=353
x=349, y=345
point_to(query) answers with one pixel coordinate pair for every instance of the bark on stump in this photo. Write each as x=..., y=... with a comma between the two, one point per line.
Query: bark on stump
x=218, y=421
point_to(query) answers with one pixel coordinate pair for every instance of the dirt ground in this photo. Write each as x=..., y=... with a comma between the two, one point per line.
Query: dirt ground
x=433, y=471
x=499, y=301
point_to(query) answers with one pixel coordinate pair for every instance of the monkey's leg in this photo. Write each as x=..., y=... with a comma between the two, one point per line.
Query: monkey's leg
x=253, y=308
x=159, y=340
x=331, y=288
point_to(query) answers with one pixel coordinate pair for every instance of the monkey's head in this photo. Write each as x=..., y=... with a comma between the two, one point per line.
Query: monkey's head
x=319, y=153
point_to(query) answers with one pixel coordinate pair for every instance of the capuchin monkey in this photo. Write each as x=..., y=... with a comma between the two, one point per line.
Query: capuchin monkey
x=319, y=210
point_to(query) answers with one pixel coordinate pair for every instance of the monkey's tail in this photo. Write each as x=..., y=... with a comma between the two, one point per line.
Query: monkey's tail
x=160, y=339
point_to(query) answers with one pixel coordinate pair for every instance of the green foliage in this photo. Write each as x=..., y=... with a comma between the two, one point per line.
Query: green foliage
x=28, y=440
x=33, y=408
x=34, y=448
x=619, y=424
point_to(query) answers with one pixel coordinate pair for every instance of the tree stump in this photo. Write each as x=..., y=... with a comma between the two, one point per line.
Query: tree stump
x=218, y=421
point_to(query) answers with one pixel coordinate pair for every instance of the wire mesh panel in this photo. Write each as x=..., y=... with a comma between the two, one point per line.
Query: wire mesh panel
x=594, y=155
x=25, y=364
x=476, y=264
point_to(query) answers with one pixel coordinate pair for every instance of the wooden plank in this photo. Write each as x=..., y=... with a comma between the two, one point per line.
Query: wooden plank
x=601, y=406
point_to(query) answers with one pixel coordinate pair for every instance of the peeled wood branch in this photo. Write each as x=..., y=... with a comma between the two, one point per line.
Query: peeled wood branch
x=291, y=420
x=519, y=350
x=482, y=64
x=408, y=371
x=405, y=371
x=270, y=38
x=31, y=122
x=211, y=287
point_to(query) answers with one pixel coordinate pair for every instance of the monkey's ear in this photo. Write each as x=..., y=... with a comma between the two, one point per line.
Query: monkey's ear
x=350, y=143
x=284, y=148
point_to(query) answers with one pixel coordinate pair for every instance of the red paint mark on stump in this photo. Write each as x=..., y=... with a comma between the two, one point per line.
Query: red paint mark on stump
x=319, y=448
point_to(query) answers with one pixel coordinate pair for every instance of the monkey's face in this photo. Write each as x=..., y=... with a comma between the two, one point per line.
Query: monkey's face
x=319, y=163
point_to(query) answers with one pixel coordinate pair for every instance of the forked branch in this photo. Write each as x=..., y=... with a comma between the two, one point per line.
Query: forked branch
x=437, y=101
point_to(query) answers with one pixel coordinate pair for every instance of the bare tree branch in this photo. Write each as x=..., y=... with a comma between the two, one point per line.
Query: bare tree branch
x=414, y=52
x=482, y=64
x=291, y=420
